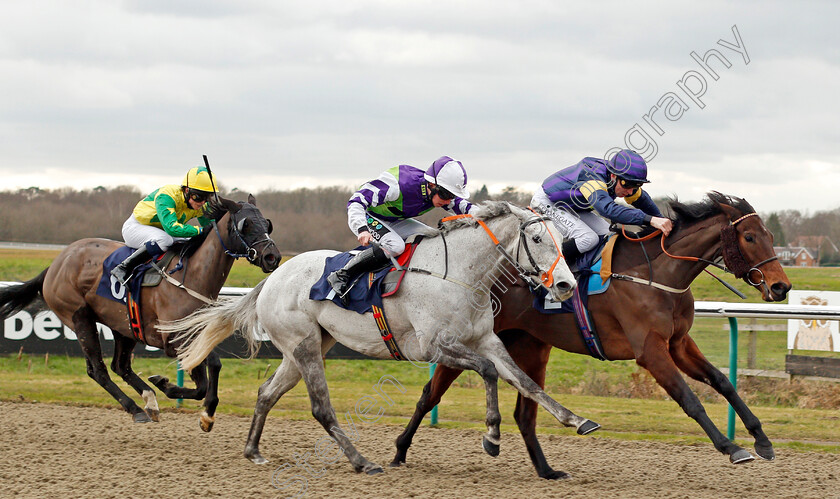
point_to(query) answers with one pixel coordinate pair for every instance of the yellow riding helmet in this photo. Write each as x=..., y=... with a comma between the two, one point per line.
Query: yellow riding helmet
x=198, y=178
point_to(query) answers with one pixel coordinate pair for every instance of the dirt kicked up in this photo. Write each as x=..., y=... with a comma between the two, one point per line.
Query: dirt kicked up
x=59, y=451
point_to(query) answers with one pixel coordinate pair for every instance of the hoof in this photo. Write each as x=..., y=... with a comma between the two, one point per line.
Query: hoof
x=490, y=447
x=256, y=458
x=396, y=463
x=153, y=414
x=765, y=452
x=587, y=427
x=740, y=456
x=375, y=471
x=555, y=475
x=142, y=417
x=206, y=423
x=158, y=380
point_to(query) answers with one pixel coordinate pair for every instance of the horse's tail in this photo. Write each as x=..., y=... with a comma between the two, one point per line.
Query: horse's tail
x=14, y=298
x=205, y=328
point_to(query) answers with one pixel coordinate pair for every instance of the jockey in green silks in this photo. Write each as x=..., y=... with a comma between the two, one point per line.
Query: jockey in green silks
x=160, y=219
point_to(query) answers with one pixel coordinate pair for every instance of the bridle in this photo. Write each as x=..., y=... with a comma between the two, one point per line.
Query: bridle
x=251, y=251
x=733, y=257
x=536, y=277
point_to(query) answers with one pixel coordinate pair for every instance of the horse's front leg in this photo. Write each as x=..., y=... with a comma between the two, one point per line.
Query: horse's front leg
x=456, y=355
x=432, y=393
x=656, y=358
x=493, y=348
x=692, y=362
x=211, y=398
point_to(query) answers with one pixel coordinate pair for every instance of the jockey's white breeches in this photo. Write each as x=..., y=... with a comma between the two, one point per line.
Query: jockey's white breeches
x=585, y=227
x=393, y=243
x=136, y=235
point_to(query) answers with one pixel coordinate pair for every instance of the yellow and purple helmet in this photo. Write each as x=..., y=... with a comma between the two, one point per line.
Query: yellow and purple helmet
x=629, y=165
x=198, y=178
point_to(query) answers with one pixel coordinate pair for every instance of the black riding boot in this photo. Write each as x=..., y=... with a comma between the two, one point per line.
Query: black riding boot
x=570, y=251
x=367, y=260
x=123, y=270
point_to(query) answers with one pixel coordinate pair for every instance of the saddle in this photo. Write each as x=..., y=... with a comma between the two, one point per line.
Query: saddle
x=144, y=275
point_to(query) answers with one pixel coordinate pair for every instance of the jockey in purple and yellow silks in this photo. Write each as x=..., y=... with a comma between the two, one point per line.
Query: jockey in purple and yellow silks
x=576, y=198
x=161, y=218
x=383, y=209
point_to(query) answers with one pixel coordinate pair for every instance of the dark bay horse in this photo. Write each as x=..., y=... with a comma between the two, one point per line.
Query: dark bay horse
x=641, y=322
x=69, y=285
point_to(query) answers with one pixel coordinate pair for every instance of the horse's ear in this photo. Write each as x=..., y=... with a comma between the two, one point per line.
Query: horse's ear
x=730, y=211
x=252, y=199
x=230, y=205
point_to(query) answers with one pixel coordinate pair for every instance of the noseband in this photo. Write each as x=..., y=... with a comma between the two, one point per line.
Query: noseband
x=734, y=258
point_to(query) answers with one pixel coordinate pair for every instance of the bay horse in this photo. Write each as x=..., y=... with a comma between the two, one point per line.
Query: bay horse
x=641, y=322
x=442, y=313
x=69, y=285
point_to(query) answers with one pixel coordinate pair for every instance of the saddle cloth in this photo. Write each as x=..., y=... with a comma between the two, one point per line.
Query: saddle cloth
x=369, y=288
x=110, y=288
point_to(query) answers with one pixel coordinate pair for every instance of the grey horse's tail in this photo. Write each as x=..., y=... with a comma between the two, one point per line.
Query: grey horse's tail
x=201, y=331
x=14, y=298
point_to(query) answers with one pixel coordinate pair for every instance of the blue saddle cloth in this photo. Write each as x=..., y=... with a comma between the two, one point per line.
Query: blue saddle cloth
x=109, y=287
x=587, y=280
x=362, y=296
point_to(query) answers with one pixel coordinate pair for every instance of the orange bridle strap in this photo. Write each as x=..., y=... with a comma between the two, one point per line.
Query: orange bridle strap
x=547, y=277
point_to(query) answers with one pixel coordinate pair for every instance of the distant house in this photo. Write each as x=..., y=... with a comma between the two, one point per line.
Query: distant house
x=792, y=256
x=821, y=247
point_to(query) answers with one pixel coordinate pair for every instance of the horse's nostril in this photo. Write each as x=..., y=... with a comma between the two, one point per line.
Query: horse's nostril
x=780, y=289
x=563, y=286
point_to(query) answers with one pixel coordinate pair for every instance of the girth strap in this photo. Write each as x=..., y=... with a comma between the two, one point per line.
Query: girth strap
x=385, y=332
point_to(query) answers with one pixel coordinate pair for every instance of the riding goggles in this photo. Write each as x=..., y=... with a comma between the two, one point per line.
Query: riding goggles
x=199, y=196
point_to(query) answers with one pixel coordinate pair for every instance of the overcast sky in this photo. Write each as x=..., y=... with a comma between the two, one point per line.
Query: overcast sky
x=285, y=94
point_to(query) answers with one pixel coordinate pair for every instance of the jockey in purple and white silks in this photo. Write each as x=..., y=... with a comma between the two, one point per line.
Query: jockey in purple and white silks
x=383, y=210
x=576, y=198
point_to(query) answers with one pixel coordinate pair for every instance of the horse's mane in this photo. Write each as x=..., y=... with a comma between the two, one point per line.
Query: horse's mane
x=484, y=211
x=215, y=211
x=709, y=207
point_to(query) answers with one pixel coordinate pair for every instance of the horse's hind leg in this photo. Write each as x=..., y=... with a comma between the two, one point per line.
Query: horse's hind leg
x=692, y=362
x=432, y=393
x=531, y=355
x=307, y=356
x=84, y=325
x=121, y=365
x=284, y=379
x=656, y=358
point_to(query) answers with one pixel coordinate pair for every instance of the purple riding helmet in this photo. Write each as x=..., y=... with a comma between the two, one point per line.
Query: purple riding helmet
x=628, y=165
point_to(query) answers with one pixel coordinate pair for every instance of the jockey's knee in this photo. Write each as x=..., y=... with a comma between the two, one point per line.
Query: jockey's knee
x=586, y=242
x=393, y=246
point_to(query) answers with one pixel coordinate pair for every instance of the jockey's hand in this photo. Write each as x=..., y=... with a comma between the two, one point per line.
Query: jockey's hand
x=364, y=238
x=663, y=224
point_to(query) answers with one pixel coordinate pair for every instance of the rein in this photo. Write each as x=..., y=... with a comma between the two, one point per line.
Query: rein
x=740, y=268
x=250, y=253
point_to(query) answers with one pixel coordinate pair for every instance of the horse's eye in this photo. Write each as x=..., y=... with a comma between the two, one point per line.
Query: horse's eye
x=749, y=238
x=537, y=239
